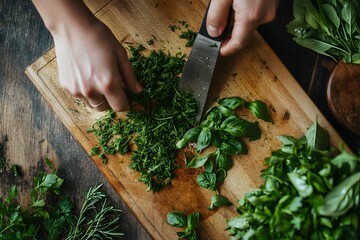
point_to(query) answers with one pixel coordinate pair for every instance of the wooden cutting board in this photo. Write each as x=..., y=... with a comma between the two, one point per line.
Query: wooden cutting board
x=253, y=73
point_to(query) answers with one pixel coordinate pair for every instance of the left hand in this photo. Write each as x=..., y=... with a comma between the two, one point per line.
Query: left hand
x=248, y=15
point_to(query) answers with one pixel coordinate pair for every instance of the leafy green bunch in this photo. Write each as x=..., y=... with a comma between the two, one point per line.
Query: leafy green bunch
x=189, y=223
x=328, y=27
x=45, y=219
x=309, y=192
x=223, y=130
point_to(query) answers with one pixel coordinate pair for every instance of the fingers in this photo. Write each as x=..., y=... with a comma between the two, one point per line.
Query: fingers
x=248, y=15
x=127, y=73
x=217, y=16
x=240, y=36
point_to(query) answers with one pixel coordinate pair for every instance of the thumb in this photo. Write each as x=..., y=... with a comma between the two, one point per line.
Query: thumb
x=217, y=16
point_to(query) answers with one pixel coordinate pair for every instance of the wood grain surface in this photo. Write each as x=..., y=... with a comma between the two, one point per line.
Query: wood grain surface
x=254, y=73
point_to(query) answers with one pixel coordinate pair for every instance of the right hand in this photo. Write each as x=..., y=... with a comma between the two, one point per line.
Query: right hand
x=94, y=66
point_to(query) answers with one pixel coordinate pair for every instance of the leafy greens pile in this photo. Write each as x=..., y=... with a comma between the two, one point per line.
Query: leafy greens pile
x=223, y=130
x=309, y=192
x=42, y=219
x=328, y=27
x=159, y=116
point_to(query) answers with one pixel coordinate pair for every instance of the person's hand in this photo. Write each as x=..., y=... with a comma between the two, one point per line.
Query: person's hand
x=92, y=64
x=248, y=15
x=94, y=67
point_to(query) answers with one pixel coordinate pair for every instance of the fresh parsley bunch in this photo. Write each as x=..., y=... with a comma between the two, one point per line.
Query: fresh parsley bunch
x=309, y=192
x=328, y=27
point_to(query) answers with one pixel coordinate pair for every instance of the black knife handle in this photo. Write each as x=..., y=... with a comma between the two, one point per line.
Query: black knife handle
x=203, y=31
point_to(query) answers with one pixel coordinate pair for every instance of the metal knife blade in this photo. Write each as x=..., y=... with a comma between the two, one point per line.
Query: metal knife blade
x=199, y=68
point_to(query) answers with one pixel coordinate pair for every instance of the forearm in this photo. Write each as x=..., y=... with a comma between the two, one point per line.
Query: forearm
x=59, y=15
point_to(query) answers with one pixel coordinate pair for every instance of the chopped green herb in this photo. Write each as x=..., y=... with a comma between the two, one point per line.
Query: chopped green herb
x=164, y=116
x=190, y=36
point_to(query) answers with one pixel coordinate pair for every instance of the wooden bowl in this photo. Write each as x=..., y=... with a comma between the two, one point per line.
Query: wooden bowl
x=343, y=95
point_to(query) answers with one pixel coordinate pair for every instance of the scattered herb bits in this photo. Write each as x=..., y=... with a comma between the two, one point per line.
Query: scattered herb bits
x=309, y=192
x=188, y=223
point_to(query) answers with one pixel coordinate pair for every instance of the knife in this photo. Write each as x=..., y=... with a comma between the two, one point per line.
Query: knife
x=199, y=68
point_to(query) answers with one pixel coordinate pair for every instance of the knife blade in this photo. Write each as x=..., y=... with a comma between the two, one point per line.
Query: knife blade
x=200, y=65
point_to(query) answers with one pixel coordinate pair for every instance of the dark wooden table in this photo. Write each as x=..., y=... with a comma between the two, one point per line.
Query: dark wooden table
x=30, y=131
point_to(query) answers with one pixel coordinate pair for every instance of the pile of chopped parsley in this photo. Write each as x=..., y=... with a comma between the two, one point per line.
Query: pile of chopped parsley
x=158, y=118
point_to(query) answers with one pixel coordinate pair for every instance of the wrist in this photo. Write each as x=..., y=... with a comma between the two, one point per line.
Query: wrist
x=61, y=16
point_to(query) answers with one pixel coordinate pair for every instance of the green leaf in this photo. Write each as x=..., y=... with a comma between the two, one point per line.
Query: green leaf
x=224, y=161
x=316, y=45
x=193, y=220
x=317, y=137
x=204, y=139
x=190, y=136
x=207, y=180
x=177, y=219
x=217, y=201
x=342, y=197
x=237, y=127
x=301, y=184
x=331, y=14
x=198, y=161
x=239, y=222
x=345, y=158
x=232, y=102
x=228, y=148
x=260, y=110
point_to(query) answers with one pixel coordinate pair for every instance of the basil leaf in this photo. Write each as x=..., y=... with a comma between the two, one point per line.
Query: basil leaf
x=317, y=137
x=232, y=102
x=342, y=197
x=193, y=220
x=207, y=180
x=226, y=112
x=213, y=117
x=181, y=143
x=220, y=176
x=260, y=110
x=198, y=161
x=192, y=134
x=204, y=139
x=208, y=166
x=238, y=145
x=237, y=127
x=176, y=219
x=224, y=161
x=217, y=201
x=227, y=148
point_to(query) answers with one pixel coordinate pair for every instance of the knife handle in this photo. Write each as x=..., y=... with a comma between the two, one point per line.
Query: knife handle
x=203, y=31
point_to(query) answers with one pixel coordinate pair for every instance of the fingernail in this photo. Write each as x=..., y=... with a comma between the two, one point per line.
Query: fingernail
x=213, y=31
